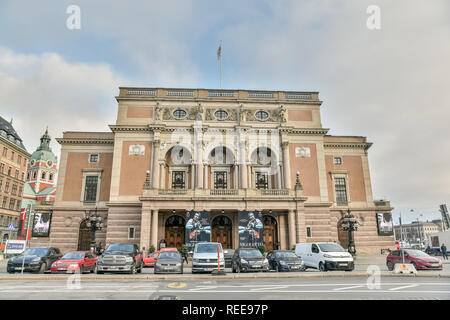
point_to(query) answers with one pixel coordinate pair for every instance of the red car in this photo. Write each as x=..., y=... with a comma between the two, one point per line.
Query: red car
x=150, y=260
x=74, y=261
x=419, y=259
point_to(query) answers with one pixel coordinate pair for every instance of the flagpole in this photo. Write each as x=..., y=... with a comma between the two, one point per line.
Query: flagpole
x=219, y=56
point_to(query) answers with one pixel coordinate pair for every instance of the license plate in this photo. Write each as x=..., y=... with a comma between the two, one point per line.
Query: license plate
x=62, y=269
x=294, y=267
x=343, y=264
x=19, y=268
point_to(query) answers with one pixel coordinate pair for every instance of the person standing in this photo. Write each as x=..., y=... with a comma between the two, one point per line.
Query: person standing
x=444, y=251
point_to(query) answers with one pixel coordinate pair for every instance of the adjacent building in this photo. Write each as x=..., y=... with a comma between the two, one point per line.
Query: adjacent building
x=417, y=230
x=241, y=167
x=13, y=167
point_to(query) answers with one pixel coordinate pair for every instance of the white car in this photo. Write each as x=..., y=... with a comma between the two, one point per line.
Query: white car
x=324, y=256
x=207, y=256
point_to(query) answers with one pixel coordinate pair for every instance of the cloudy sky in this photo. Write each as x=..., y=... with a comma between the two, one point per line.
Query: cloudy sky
x=391, y=85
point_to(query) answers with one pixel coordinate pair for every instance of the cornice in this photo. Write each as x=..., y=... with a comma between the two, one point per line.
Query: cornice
x=85, y=141
x=348, y=145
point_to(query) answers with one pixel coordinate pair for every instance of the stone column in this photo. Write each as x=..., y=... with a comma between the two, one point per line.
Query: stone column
x=193, y=166
x=243, y=171
x=162, y=173
x=155, y=182
x=300, y=223
x=154, y=233
x=282, y=234
x=286, y=165
x=292, y=231
x=145, y=227
x=280, y=186
x=200, y=166
x=205, y=175
x=236, y=176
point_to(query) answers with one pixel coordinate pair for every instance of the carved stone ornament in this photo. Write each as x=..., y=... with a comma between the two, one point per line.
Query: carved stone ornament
x=192, y=113
x=232, y=114
x=302, y=152
x=136, y=150
x=273, y=115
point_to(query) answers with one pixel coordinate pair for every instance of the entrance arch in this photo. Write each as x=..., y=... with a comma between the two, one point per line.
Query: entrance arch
x=174, y=232
x=221, y=227
x=270, y=233
x=84, y=236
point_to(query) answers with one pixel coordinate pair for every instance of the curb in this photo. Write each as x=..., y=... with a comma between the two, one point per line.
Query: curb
x=209, y=277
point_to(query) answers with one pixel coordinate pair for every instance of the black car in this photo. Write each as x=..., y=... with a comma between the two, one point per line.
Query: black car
x=169, y=262
x=284, y=260
x=38, y=260
x=228, y=256
x=249, y=259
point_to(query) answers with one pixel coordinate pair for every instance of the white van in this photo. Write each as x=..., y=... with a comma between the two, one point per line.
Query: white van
x=324, y=256
x=205, y=257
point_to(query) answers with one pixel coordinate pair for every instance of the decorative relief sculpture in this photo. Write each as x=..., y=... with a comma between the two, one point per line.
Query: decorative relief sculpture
x=136, y=150
x=302, y=152
x=273, y=115
x=283, y=114
x=192, y=113
x=209, y=115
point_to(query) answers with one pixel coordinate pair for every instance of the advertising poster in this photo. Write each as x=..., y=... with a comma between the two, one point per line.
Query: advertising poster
x=15, y=246
x=197, y=228
x=250, y=229
x=41, y=224
x=385, y=224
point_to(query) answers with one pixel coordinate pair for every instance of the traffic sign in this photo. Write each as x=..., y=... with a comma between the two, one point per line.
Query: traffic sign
x=11, y=226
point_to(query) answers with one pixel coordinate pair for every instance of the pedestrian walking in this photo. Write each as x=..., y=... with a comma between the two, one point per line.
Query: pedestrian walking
x=185, y=256
x=444, y=251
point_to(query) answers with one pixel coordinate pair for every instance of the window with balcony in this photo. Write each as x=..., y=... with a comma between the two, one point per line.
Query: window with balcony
x=178, y=180
x=262, y=180
x=220, y=180
x=340, y=186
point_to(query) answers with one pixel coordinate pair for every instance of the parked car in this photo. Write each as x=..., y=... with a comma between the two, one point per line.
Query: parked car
x=169, y=262
x=419, y=259
x=120, y=257
x=228, y=255
x=205, y=256
x=283, y=260
x=75, y=261
x=324, y=256
x=150, y=259
x=249, y=259
x=38, y=260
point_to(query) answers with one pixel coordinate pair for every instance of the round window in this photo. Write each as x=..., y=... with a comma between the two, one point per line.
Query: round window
x=261, y=115
x=32, y=162
x=179, y=114
x=221, y=114
x=49, y=163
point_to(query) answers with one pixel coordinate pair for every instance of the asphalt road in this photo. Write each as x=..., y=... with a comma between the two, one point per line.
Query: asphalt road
x=227, y=289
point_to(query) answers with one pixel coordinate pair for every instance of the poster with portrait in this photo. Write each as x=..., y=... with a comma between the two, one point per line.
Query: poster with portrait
x=197, y=228
x=41, y=224
x=251, y=229
x=385, y=224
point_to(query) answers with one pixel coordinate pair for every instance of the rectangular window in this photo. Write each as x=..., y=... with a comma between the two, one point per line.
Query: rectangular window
x=178, y=180
x=12, y=155
x=1, y=183
x=2, y=167
x=7, y=186
x=308, y=232
x=90, y=188
x=341, y=191
x=19, y=159
x=14, y=189
x=9, y=171
x=5, y=151
x=16, y=174
x=131, y=233
x=337, y=160
x=220, y=180
x=12, y=203
x=5, y=199
x=93, y=158
x=262, y=180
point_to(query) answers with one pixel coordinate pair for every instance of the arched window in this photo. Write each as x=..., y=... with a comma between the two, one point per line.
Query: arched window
x=179, y=114
x=50, y=177
x=43, y=175
x=261, y=115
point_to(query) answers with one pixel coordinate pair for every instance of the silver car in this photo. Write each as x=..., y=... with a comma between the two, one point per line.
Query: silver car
x=169, y=262
x=207, y=257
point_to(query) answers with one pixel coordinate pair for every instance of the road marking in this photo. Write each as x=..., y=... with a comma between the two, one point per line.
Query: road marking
x=176, y=285
x=404, y=287
x=345, y=288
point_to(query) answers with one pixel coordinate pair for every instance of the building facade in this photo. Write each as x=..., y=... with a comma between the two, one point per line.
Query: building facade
x=13, y=167
x=224, y=154
x=417, y=231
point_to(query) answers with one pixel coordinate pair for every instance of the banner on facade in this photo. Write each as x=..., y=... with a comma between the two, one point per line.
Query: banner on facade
x=197, y=228
x=250, y=229
x=41, y=224
x=385, y=224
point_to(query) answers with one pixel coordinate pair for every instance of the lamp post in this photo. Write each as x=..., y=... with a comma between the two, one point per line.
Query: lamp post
x=350, y=224
x=418, y=229
x=95, y=223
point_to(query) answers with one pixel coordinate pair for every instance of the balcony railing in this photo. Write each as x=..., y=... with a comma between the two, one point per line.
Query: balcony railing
x=274, y=192
x=224, y=192
x=172, y=191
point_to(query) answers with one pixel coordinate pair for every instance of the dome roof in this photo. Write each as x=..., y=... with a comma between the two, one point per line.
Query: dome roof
x=44, y=152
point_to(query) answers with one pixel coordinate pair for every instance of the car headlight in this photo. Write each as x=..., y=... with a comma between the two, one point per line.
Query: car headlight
x=128, y=259
x=196, y=260
x=53, y=265
x=244, y=261
x=283, y=263
x=420, y=260
x=36, y=260
x=178, y=264
x=266, y=261
x=327, y=256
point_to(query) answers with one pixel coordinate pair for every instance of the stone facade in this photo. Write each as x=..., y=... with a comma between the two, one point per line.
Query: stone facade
x=221, y=151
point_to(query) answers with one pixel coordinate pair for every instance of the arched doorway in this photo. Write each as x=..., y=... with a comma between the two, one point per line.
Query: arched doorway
x=270, y=233
x=221, y=231
x=342, y=235
x=84, y=236
x=175, y=229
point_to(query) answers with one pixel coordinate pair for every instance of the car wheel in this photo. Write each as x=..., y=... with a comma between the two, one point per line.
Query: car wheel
x=10, y=271
x=99, y=272
x=94, y=269
x=415, y=265
x=322, y=267
x=133, y=269
x=390, y=266
x=82, y=269
x=279, y=269
x=140, y=269
x=43, y=267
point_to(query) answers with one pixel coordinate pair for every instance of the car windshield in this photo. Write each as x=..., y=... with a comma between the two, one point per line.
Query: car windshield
x=120, y=247
x=207, y=248
x=73, y=256
x=36, y=252
x=417, y=253
x=285, y=254
x=169, y=255
x=331, y=247
x=251, y=253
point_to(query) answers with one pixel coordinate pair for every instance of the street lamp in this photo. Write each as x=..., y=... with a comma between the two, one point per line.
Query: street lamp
x=95, y=223
x=418, y=228
x=350, y=224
